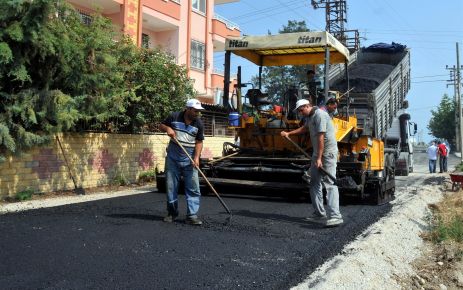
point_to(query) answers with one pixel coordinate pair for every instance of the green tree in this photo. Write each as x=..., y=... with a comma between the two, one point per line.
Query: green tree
x=57, y=74
x=159, y=84
x=32, y=54
x=442, y=122
x=277, y=80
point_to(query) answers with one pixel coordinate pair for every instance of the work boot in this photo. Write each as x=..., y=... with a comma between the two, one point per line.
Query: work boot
x=315, y=218
x=193, y=220
x=170, y=218
x=334, y=222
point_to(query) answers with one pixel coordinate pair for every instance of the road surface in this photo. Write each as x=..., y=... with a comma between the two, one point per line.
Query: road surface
x=122, y=243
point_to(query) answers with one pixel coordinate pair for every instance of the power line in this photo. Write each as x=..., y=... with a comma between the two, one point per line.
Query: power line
x=263, y=10
x=429, y=76
x=427, y=31
x=303, y=17
x=388, y=21
x=422, y=108
x=398, y=32
x=268, y=15
x=434, y=81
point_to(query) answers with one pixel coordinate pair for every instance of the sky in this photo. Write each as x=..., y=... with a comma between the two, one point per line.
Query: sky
x=429, y=28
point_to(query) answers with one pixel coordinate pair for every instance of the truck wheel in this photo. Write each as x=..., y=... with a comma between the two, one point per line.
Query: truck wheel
x=389, y=167
x=407, y=168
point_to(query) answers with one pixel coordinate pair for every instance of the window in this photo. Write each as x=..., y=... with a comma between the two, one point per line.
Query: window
x=85, y=18
x=145, y=40
x=199, y=5
x=197, y=55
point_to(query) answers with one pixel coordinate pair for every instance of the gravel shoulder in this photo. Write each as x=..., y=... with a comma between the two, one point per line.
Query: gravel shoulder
x=387, y=254
x=385, y=251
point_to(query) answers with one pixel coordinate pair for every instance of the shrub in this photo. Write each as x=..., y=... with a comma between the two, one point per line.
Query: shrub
x=24, y=195
x=459, y=167
x=147, y=176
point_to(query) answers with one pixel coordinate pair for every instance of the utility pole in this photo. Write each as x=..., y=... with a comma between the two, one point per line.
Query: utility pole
x=335, y=18
x=455, y=76
x=458, y=77
x=453, y=82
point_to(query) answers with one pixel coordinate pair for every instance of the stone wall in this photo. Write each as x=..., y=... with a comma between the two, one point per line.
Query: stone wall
x=95, y=159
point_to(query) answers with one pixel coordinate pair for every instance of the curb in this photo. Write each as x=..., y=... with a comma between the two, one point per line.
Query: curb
x=64, y=200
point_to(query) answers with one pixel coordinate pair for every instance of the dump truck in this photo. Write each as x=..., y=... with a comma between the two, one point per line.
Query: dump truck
x=379, y=80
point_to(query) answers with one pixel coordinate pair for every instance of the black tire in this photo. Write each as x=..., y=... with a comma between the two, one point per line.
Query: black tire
x=379, y=197
x=406, y=171
x=161, y=183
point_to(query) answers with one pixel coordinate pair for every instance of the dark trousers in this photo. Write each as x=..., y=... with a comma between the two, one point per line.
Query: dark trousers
x=443, y=163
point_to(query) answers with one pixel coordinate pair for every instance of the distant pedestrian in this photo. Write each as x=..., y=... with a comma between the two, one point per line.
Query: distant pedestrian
x=432, y=156
x=442, y=152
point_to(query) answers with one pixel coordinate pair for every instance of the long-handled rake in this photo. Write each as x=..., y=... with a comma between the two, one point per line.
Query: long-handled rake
x=205, y=178
x=310, y=158
x=77, y=190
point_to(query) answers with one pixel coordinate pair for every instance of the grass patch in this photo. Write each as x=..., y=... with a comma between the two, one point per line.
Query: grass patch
x=452, y=230
x=459, y=167
x=147, y=176
x=24, y=195
x=447, y=220
x=120, y=179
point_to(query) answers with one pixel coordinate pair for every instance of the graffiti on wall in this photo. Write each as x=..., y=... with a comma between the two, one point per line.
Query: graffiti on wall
x=103, y=161
x=146, y=159
x=45, y=163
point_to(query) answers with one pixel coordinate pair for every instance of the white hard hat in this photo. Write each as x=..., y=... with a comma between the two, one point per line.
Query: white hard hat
x=194, y=103
x=300, y=103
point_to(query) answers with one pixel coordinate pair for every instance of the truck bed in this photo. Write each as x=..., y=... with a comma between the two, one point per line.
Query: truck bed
x=380, y=81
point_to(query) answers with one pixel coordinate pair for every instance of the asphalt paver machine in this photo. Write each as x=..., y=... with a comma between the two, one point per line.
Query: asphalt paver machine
x=264, y=160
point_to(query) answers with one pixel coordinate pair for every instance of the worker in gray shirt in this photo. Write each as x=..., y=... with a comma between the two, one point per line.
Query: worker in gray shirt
x=325, y=154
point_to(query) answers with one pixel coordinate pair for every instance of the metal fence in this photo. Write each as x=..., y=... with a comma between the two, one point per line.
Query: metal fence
x=216, y=124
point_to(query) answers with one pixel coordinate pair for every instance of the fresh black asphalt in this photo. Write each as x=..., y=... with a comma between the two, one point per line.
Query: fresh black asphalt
x=122, y=243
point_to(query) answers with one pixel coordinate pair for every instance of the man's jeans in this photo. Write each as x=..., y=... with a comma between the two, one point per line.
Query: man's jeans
x=332, y=193
x=443, y=163
x=174, y=171
x=432, y=166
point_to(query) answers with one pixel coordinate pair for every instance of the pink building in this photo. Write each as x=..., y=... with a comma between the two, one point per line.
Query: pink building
x=188, y=29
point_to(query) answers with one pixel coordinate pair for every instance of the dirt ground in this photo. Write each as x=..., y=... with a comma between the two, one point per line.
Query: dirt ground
x=441, y=264
x=440, y=267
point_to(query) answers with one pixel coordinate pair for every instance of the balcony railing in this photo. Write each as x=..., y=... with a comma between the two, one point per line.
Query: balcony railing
x=229, y=24
x=221, y=72
x=218, y=71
